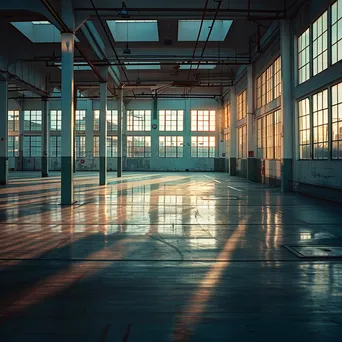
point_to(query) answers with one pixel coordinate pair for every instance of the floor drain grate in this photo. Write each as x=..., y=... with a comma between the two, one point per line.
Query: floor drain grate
x=315, y=251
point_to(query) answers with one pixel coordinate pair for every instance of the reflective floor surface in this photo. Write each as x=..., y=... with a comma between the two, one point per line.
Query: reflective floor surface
x=165, y=257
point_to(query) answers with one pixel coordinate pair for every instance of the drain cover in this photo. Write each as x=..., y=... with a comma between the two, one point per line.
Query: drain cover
x=316, y=251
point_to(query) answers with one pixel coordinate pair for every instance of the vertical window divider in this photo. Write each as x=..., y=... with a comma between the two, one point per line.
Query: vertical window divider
x=311, y=128
x=329, y=42
x=330, y=122
x=311, y=51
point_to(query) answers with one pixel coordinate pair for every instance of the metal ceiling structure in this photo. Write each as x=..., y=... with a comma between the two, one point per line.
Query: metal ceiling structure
x=202, y=67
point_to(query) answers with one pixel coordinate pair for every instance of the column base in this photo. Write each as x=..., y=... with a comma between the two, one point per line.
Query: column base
x=286, y=175
x=45, y=172
x=251, y=169
x=119, y=172
x=103, y=171
x=232, y=166
x=3, y=170
x=67, y=181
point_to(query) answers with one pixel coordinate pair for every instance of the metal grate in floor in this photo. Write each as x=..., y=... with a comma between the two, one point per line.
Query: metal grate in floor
x=315, y=251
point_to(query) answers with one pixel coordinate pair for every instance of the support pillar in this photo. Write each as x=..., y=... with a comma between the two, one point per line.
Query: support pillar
x=287, y=105
x=120, y=126
x=103, y=133
x=251, y=148
x=3, y=131
x=67, y=159
x=45, y=137
x=232, y=133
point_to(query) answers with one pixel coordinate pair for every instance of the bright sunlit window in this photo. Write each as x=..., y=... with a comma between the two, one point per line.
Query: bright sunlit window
x=203, y=147
x=203, y=120
x=336, y=32
x=171, y=120
x=336, y=98
x=139, y=146
x=139, y=120
x=320, y=43
x=171, y=147
x=304, y=56
x=304, y=129
x=320, y=125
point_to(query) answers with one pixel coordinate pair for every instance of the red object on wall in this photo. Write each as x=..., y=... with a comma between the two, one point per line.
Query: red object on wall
x=250, y=154
x=82, y=161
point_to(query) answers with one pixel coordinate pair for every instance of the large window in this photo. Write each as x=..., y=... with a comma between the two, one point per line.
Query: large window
x=13, y=146
x=139, y=147
x=13, y=120
x=304, y=57
x=278, y=130
x=171, y=147
x=277, y=78
x=112, y=147
x=171, y=120
x=336, y=32
x=80, y=146
x=336, y=98
x=203, y=147
x=96, y=147
x=139, y=120
x=227, y=116
x=320, y=125
x=320, y=44
x=269, y=84
x=55, y=146
x=270, y=136
x=242, y=142
x=112, y=120
x=203, y=120
x=55, y=120
x=261, y=138
x=32, y=120
x=259, y=91
x=304, y=129
x=80, y=120
x=242, y=105
x=32, y=146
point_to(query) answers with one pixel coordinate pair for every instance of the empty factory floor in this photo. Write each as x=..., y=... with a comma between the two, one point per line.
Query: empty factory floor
x=166, y=257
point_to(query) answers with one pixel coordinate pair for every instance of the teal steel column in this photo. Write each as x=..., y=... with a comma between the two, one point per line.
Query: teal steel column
x=45, y=137
x=287, y=105
x=103, y=133
x=67, y=159
x=120, y=114
x=3, y=131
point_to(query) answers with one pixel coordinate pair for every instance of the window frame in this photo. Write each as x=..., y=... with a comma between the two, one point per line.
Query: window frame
x=164, y=146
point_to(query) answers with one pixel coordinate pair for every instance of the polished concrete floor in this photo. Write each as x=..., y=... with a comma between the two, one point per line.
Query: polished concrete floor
x=165, y=257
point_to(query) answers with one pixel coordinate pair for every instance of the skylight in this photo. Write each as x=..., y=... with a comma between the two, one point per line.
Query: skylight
x=194, y=66
x=188, y=30
x=42, y=22
x=39, y=31
x=144, y=66
x=134, y=30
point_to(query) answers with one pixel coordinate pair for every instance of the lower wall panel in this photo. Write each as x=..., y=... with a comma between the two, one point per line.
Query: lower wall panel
x=129, y=164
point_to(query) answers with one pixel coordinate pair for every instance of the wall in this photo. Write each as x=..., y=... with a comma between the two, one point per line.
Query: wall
x=321, y=178
x=155, y=163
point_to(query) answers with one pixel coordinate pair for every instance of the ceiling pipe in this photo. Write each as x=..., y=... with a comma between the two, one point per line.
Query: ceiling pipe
x=199, y=34
x=109, y=40
x=65, y=28
x=137, y=96
x=170, y=9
